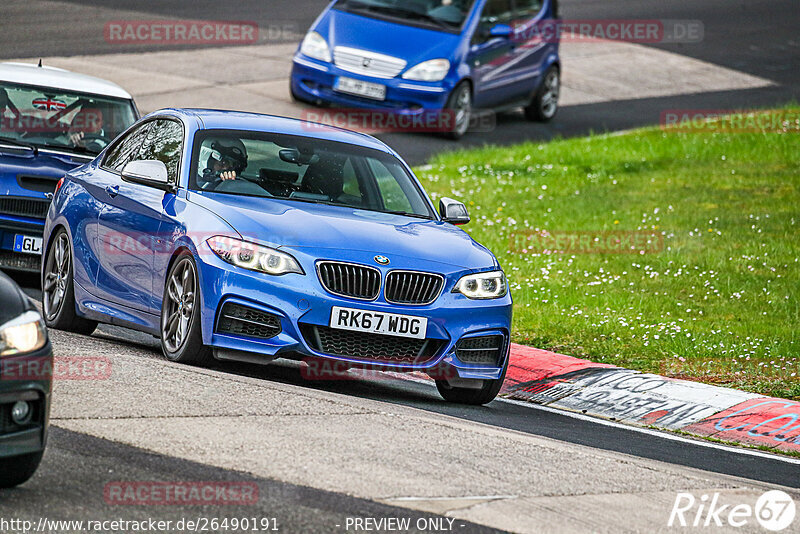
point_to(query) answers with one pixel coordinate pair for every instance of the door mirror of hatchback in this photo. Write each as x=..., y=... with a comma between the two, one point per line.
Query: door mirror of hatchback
x=503, y=31
x=148, y=172
x=453, y=211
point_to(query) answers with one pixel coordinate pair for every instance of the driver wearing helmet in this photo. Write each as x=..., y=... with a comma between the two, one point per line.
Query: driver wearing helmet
x=225, y=159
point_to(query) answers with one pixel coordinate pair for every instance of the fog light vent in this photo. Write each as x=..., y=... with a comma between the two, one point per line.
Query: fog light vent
x=484, y=350
x=243, y=321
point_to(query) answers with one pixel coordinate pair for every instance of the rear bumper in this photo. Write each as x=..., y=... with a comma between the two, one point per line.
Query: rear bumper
x=314, y=80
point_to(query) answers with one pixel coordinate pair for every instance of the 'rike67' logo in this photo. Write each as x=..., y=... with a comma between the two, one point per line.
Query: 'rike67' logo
x=774, y=511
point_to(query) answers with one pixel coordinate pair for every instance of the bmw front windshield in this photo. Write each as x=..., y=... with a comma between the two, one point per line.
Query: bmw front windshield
x=304, y=170
x=439, y=14
x=51, y=117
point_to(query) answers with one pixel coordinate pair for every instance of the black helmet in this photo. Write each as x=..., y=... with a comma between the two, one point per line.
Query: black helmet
x=230, y=152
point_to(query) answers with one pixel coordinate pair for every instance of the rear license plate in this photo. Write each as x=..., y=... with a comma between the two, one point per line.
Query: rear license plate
x=25, y=244
x=390, y=324
x=371, y=90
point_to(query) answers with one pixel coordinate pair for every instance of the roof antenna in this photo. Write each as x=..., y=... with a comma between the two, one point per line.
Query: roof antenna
x=40, y=62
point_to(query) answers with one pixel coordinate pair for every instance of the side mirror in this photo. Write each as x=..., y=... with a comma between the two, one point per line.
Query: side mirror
x=148, y=172
x=503, y=31
x=453, y=211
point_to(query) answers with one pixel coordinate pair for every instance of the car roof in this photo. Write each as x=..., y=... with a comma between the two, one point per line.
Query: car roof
x=214, y=119
x=30, y=74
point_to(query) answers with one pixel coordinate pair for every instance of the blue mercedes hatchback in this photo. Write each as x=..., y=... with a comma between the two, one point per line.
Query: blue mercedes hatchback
x=244, y=237
x=414, y=56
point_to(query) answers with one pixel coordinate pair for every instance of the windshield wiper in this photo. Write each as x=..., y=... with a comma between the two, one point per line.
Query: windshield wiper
x=428, y=18
x=80, y=151
x=407, y=214
x=20, y=144
x=311, y=201
x=77, y=150
x=400, y=12
x=339, y=204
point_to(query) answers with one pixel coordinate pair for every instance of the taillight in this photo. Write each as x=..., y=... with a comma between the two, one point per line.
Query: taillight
x=58, y=186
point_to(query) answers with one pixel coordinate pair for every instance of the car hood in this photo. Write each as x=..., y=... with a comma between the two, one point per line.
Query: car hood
x=410, y=43
x=33, y=175
x=298, y=225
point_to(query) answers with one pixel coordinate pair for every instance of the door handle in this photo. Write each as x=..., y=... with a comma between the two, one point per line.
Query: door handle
x=112, y=190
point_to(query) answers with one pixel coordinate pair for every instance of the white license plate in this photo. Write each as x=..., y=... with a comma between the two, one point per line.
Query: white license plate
x=390, y=324
x=375, y=91
x=25, y=244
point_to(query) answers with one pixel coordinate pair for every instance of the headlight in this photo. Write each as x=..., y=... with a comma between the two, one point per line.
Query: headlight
x=22, y=335
x=254, y=257
x=481, y=286
x=433, y=70
x=315, y=46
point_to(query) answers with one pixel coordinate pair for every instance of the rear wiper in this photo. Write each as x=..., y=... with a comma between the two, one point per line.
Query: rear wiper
x=20, y=144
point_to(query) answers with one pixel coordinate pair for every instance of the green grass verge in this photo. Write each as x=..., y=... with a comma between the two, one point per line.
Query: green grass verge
x=714, y=295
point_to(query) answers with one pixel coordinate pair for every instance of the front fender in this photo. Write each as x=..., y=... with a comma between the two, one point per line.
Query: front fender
x=75, y=210
x=187, y=227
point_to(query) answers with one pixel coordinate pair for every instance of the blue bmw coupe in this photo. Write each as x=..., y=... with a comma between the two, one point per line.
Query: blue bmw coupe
x=245, y=237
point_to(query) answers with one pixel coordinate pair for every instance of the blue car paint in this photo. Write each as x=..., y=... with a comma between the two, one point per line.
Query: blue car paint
x=127, y=289
x=44, y=166
x=502, y=72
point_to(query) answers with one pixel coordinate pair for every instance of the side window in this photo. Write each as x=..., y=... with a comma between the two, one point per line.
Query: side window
x=494, y=12
x=164, y=143
x=525, y=10
x=394, y=199
x=127, y=149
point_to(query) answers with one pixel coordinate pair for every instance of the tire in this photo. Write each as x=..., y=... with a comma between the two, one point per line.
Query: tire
x=181, y=330
x=18, y=469
x=58, y=289
x=544, y=104
x=475, y=397
x=460, y=103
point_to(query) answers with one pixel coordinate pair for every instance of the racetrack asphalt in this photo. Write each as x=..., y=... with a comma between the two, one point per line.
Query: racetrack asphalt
x=384, y=440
